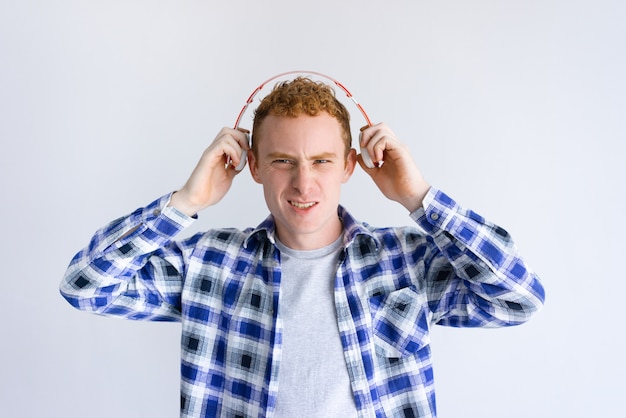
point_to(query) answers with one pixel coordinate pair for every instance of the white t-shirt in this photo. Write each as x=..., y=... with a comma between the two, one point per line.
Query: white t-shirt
x=313, y=378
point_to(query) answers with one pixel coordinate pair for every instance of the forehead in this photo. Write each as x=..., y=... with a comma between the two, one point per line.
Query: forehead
x=302, y=133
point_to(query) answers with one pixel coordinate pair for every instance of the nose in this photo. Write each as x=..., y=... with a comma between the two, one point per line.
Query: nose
x=303, y=179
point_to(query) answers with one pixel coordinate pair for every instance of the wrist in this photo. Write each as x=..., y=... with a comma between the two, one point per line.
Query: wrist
x=416, y=200
x=179, y=202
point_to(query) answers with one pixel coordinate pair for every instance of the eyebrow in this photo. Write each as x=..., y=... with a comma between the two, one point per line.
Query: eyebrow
x=322, y=156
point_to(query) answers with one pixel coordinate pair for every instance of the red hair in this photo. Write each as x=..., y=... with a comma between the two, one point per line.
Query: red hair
x=302, y=96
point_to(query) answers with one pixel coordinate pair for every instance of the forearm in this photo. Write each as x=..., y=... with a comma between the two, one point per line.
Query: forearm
x=122, y=268
x=488, y=283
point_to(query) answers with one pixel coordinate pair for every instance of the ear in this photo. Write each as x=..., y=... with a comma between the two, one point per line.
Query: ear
x=254, y=168
x=350, y=164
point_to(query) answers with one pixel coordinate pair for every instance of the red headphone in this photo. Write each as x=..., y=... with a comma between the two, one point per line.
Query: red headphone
x=364, y=153
x=337, y=83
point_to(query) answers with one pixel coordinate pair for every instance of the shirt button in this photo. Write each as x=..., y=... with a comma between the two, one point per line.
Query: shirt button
x=434, y=216
x=156, y=212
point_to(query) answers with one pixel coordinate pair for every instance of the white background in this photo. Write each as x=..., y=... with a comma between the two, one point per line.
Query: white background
x=515, y=108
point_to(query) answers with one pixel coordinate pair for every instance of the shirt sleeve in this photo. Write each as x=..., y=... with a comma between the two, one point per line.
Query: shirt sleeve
x=132, y=267
x=474, y=276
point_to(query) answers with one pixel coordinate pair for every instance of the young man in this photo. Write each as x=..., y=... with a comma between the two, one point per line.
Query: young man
x=311, y=313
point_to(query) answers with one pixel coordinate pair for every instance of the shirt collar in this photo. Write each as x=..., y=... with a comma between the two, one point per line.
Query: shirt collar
x=352, y=228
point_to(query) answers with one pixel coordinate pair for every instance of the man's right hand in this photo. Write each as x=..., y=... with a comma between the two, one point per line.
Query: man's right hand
x=211, y=179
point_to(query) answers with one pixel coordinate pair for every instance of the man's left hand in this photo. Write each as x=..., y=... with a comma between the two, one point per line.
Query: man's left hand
x=398, y=178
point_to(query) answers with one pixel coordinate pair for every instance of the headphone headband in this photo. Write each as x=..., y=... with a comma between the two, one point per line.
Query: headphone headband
x=337, y=83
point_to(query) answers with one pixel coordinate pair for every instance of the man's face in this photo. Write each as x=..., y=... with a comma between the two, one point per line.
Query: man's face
x=301, y=164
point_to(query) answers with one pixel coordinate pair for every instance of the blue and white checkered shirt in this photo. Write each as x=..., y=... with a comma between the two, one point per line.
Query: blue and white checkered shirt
x=391, y=285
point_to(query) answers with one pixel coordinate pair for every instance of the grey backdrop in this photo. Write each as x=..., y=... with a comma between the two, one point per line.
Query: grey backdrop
x=515, y=108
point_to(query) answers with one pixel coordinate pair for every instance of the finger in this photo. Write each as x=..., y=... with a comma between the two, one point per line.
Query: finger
x=369, y=136
x=375, y=140
x=239, y=140
x=240, y=135
x=364, y=135
x=367, y=132
x=236, y=157
x=376, y=146
x=243, y=140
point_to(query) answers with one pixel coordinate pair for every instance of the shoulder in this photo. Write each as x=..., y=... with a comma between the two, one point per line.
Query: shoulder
x=391, y=240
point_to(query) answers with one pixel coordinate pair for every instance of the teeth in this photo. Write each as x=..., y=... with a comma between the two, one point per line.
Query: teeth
x=302, y=205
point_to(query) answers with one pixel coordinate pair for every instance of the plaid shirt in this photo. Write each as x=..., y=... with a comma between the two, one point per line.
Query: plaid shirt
x=391, y=285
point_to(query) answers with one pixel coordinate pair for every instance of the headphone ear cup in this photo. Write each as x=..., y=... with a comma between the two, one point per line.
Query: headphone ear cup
x=367, y=160
x=242, y=163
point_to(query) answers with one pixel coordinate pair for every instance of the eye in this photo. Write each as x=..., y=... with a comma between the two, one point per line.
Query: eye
x=282, y=161
x=322, y=161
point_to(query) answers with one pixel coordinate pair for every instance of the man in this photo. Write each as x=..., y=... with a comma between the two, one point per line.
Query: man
x=311, y=313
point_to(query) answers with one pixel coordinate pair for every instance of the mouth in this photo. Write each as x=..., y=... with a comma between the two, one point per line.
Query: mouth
x=302, y=205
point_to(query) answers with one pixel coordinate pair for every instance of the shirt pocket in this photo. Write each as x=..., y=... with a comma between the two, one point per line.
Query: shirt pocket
x=400, y=323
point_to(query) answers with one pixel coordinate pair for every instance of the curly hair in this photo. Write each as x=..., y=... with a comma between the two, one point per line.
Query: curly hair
x=302, y=96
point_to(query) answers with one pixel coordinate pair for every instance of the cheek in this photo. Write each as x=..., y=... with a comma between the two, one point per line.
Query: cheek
x=331, y=183
x=273, y=183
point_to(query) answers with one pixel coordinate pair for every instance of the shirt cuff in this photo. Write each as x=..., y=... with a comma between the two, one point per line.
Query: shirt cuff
x=165, y=220
x=436, y=212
